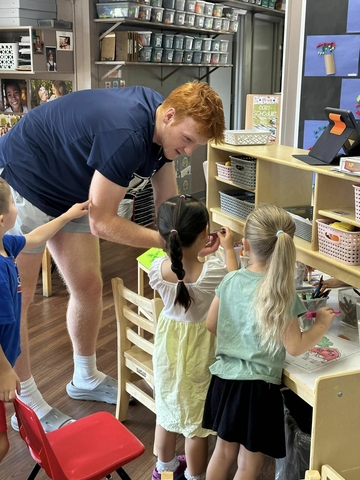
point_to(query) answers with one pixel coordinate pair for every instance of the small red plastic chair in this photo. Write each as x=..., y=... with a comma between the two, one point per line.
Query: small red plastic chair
x=88, y=449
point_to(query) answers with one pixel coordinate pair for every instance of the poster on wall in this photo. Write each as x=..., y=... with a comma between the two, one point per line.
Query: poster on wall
x=14, y=95
x=43, y=91
x=263, y=113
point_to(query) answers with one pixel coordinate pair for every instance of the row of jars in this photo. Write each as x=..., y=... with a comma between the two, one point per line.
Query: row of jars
x=179, y=42
x=171, y=55
x=193, y=6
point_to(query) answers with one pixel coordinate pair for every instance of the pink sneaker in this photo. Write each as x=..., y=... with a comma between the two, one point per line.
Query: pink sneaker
x=178, y=474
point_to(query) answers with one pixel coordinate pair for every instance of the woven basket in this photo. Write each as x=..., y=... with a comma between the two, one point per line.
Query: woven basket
x=339, y=244
x=303, y=229
x=237, y=202
x=247, y=137
x=9, y=56
x=223, y=171
x=243, y=171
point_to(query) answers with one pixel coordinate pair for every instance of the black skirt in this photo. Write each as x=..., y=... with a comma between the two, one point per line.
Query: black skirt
x=248, y=412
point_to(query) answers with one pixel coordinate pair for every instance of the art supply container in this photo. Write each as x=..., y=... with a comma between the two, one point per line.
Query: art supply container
x=145, y=54
x=206, y=57
x=218, y=10
x=347, y=305
x=156, y=55
x=179, y=18
x=178, y=56
x=215, y=45
x=156, y=3
x=217, y=22
x=168, y=16
x=169, y=4
x=188, y=56
x=197, y=43
x=178, y=42
x=188, y=42
x=180, y=5
x=190, y=5
x=144, y=38
x=189, y=19
x=157, y=14
x=299, y=274
x=197, y=57
x=224, y=58
x=208, y=8
x=312, y=305
x=200, y=7
x=224, y=45
x=215, y=57
x=208, y=23
x=157, y=39
x=145, y=13
x=168, y=40
x=199, y=20
x=168, y=55
x=225, y=24
x=234, y=26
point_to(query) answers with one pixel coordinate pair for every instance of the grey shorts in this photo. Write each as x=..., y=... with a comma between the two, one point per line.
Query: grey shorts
x=30, y=217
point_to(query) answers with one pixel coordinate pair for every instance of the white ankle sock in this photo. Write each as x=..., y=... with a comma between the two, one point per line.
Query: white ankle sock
x=32, y=397
x=167, y=466
x=86, y=375
x=187, y=475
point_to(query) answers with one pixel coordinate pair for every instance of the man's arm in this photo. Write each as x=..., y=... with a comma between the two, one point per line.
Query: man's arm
x=164, y=184
x=104, y=221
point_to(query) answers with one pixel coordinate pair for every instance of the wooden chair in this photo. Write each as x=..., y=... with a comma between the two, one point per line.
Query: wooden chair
x=135, y=348
x=327, y=473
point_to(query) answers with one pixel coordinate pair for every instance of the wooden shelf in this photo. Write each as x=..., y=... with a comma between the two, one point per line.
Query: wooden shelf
x=346, y=215
x=229, y=182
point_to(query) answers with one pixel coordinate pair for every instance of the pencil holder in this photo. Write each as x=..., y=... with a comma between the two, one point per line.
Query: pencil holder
x=311, y=305
x=348, y=300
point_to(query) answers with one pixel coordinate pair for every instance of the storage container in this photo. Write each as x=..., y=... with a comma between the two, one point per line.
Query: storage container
x=199, y=20
x=208, y=8
x=179, y=18
x=157, y=39
x=215, y=57
x=348, y=299
x=178, y=56
x=144, y=13
x=168, y=16
x=189, y=19
x=157, y=14
x=144, y=2
x=357, y=201
x=168, y=40
x=225, y=24
x=230, y=13
x=238, y=203
x=199, y=7
x=190, y=5
x=301, y=216
x=234, y=26
x=299, y=273
x=180, y=5
x=145, y=54
x=156, y=3
x=246, y=137
x=156, y=55
x=178, y=42
x=9, y=56
x=339, y=244
x=223, y=171
x=208, y=23
x=218, y=10
x=215, y=45
x=169, y=4
x=205, y=57
x=206, y=45
x=188, y=42
x=188, y=56
x=224, y=58
x=168, y=55
x=217, y=22
x=224, y=45
x=243, y=171
x=311, y=305
x=118, y=10
x=144, y=38
x=197, y=57
x=197, y=43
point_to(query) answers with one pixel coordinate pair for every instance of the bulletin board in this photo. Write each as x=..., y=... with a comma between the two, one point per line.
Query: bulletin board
x=330, y=76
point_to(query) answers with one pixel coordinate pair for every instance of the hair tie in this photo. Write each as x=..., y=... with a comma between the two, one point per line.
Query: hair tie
x=182, y=196
x=180, y=281
x=278, y=233
x=173, y=231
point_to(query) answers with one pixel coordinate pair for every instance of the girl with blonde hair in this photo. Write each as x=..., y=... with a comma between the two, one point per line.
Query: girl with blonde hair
x=254, y=316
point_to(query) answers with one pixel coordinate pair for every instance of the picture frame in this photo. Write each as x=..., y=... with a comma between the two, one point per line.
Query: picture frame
x=64, y=41
x=14, y=96
x=51, y=64
x=38, y=41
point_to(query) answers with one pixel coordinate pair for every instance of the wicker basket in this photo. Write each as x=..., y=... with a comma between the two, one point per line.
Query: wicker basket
x=357, y=201
x=243, y=171
x=237, y=202
x=339, y=244
x=223, y=171
x=247, y=137
x=303, y=229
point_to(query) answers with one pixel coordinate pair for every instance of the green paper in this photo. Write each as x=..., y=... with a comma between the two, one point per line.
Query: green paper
x=147, y=258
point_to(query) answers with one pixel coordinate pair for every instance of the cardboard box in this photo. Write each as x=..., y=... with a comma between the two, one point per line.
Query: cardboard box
x=108, y=48
x=263, y=113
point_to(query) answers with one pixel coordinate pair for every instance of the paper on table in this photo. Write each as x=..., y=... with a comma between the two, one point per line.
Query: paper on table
x=302, y=219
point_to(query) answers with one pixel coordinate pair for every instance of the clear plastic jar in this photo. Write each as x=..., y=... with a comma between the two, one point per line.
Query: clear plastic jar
x=168, y=55
x=156, y=55
x=178, y=56
x=168, y=16
x=197, y=57
x=217, y=22
x=144, y=38
x=145, y=54
x=178, y=42
x=225, y=24
x=206, y=45
x=224, y=45
x=144, y=13
x=157, y=39
x=205, y=57
x=218, y=10
x=234, y=26
x=157, y=14
x=224, y=57
x=197, y=44
x=188, y=42
x=169, y=4
x=215, y=57
x=208, y=8
x=199, y=20
x=156, y=3
x=190, y=5
x=179, y=18
x=168, y=40
x=189, y=19
x=200, y=6
x=188, y=56
x=180, y=5
x=208, y=23
x=215, y=45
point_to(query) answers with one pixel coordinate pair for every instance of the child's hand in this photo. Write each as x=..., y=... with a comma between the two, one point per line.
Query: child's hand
x=9, y=384
x=226, y=237
x=325, y=316
x=78, y=210
x=211, y=246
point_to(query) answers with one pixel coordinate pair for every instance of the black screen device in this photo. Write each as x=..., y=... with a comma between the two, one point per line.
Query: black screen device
x=343, y=132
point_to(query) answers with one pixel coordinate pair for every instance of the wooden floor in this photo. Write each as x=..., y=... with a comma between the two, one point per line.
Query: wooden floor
x=52, y=367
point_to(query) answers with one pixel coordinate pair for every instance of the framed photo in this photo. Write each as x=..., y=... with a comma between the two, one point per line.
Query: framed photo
x=51, y=59
x=38, y=41
x=64, y=41
x=14, y=96
x=43, y=91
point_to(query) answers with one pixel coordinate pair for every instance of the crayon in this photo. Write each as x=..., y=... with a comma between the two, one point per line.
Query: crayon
x=313, y=314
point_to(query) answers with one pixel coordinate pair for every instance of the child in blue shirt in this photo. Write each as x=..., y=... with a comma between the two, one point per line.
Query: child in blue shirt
x=10, y=293
x=254, y=316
